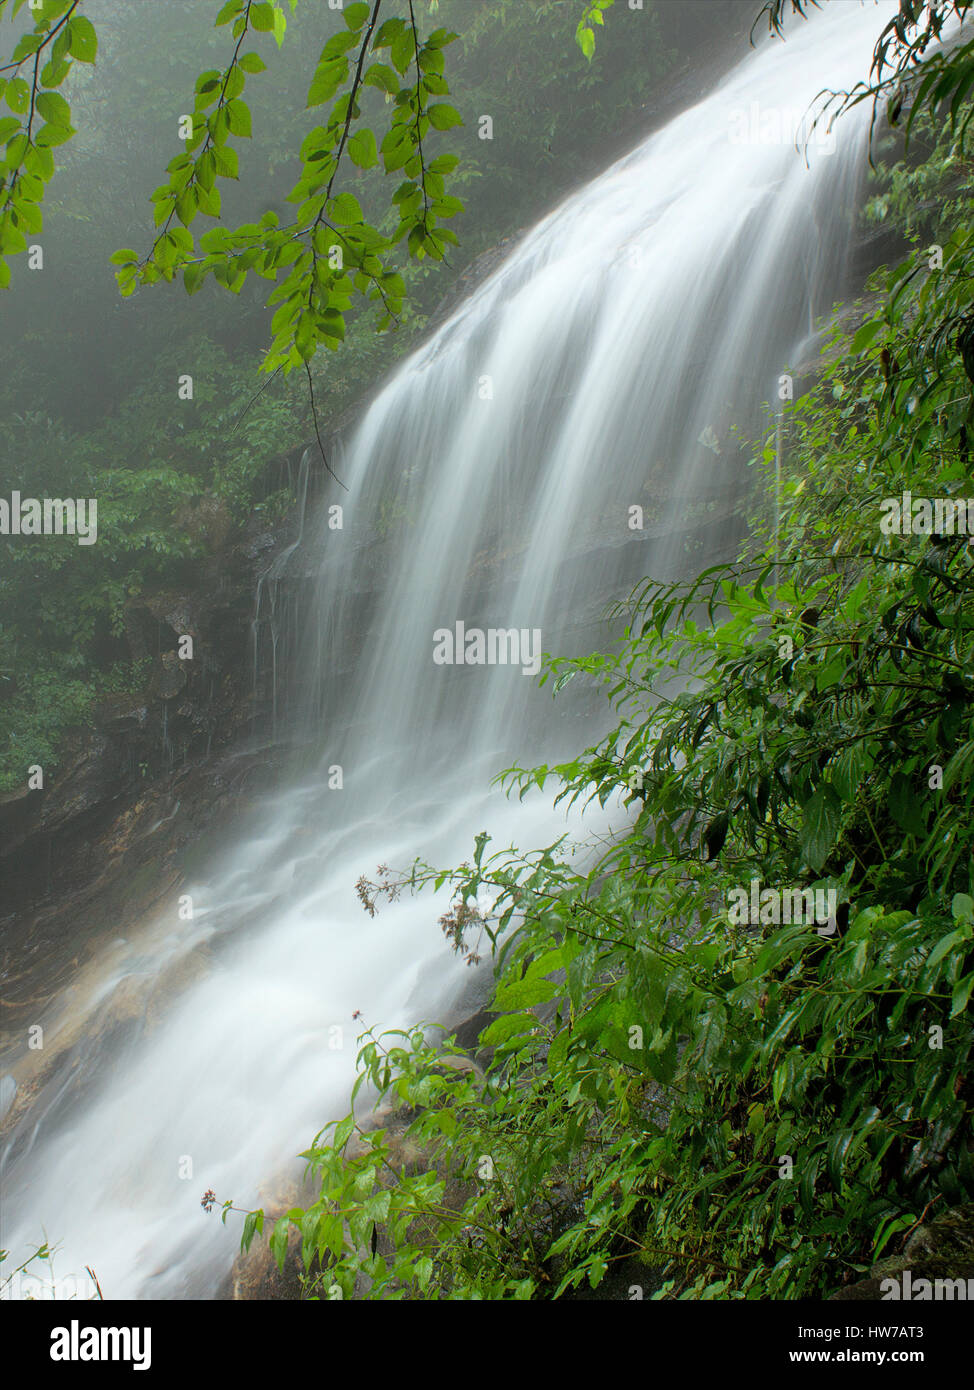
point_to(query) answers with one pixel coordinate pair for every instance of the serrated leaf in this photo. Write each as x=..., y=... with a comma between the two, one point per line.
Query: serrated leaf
x=821, y=818
x=330, y=1235
x=382, y=76
x=345, y=209
x=51, y=135
x=82, y=39
x=238, y=115
x=52, y=107
x=262, y=17
x=524, y=994
x=362, y=149
x=424, y=1271
x=443, y=116
x=502, y=1029
x=847, y=771
x=356, y=14
x=326, y=81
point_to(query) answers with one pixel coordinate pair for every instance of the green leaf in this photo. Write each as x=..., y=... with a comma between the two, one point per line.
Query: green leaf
x=330, y=1235
x=193, y=276
x=18, y=95
x=838, y=1148
x=229, y=11
x=524, y=994
x=446, y=1122
x=328, y=77
x=865, y=336
x=444, y=117
x=15, y=150
x=345, y=209
x=278, y=1240
x=249, y=1228
x=511, y=1025
x=440, y=38
x=82, y=39
x=382, y=76
x=40, y=162
x=961, y=995
x=376, y=1208
x=53, y=107
x=186, y=207
x=847, y=771
x=225, y=161
x=889, y=1228
x=356, y=14
x=962, y=907
x=946, y=944
x=362, y=149
x=821, y=818
x=262, y=17
x=51, y=135
x=342, y=1131
x=558, y=1051
x=238, y=114
x=54, y=73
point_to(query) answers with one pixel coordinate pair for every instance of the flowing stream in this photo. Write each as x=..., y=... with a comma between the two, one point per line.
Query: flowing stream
x=602, y=367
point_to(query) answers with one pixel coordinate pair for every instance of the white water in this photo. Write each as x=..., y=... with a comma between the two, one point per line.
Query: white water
x=659, y=303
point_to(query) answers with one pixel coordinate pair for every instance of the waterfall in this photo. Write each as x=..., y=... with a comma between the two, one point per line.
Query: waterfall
x=490, y=484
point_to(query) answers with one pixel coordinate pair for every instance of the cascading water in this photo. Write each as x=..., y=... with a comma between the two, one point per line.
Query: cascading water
x=490, y=483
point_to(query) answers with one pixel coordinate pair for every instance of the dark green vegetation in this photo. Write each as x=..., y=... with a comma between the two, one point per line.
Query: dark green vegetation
x=758, y=1110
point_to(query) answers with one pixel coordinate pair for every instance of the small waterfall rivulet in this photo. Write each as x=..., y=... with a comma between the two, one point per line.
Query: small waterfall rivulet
x=601, y=367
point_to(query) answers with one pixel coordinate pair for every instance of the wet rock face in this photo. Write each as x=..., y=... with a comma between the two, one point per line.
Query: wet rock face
x=941, y=1249
x=117, y=868
x=159, y=778
x=950, y=1236
x=197, y=697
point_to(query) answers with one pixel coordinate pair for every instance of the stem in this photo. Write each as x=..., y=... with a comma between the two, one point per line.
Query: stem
x=314, y=412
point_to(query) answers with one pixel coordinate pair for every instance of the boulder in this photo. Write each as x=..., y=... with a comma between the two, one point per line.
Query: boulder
x=942, y=1248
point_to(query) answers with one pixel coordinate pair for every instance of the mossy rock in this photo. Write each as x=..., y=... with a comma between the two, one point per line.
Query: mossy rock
x=939, y=1249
